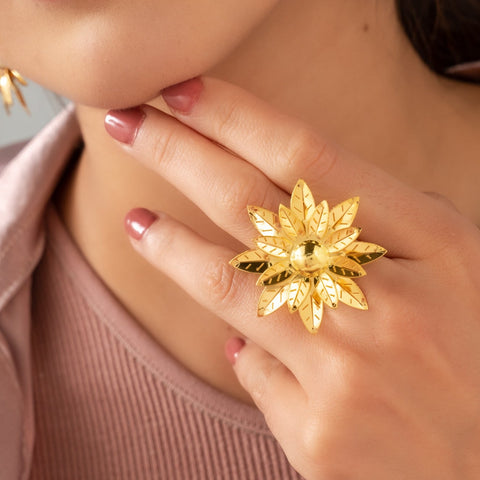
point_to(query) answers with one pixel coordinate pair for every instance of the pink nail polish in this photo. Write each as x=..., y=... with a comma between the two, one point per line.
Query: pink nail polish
x=183, y=96
x=137, y=222
x=123, y=125
x=232, y=348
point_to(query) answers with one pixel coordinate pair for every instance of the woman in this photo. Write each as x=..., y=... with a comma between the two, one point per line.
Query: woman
x=124, y=352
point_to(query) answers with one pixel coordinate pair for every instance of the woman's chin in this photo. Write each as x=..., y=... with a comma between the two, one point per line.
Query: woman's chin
x=104, y=96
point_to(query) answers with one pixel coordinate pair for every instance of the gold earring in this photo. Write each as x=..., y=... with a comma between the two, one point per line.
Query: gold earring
x=8, y=79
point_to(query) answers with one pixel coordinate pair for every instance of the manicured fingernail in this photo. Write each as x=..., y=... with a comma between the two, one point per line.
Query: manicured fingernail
x=232, y=348
x=137, y=222
x=123, y=125
x=183, y=96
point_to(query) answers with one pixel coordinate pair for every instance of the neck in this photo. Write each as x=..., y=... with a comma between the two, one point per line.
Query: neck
x=344, y=67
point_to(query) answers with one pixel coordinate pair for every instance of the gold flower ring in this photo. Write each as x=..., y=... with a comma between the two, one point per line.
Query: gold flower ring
x=307, y=256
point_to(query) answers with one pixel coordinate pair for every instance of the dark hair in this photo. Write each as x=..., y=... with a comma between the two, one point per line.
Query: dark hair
x=444, y=32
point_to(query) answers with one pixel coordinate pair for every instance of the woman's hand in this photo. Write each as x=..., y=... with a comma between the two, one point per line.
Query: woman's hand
x=391, y=393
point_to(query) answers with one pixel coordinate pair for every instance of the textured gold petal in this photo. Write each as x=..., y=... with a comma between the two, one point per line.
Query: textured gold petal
x=341, y=239
x=346, y=267
x=318, y=223
x=291, y=224
x=5, y=84
x=17, y=75
x=349, y=293
x=271, y=299
x=364, y=252
x=276, y=246
x=265, y=221
x=254, y=261
x=302, y=202
x=327, y=291
x=311, y=313
x=277, y=273
x=343, y=214
x=298, y=292
x=19, y=95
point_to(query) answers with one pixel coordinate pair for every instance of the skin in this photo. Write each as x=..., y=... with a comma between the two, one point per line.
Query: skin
x=419, y=128
x=392, y=393
x=85, y=50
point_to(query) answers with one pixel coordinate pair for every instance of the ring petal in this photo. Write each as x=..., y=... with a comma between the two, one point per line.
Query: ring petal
x=255, y=261
x=349, y=293
x=298, y=292
x=302, y=202
x=346, y=267
x=265, y=221
x=291, y=224
x=343, y=214
x=275, y=274
x=311, y=313
x=271, y=299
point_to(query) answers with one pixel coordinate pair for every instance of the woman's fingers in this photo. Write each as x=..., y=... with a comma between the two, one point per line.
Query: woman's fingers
x=285, y=149
x=222, y=184
x=275, y=391
x=218, y=182
x=201, y=268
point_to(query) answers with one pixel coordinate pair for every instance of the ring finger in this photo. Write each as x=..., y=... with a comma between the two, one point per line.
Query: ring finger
x=201, y=269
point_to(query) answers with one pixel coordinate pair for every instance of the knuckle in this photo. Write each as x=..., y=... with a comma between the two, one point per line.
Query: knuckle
x=313, y=444
x=323, y=440
x=351, y=382
x=322, y=450
x=394, y=317
x=306, y=150
x=400, y=329
x=236, y=195
x=220, y=281
x=227, y=118
x=165, y=146
x=255, y=385
x=258, y=383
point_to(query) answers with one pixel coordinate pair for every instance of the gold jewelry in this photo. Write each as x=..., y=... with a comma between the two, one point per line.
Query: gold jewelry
x=8, y=79
x=307, y=256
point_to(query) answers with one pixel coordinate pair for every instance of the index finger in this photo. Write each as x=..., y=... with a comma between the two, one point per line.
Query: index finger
x=285, y=149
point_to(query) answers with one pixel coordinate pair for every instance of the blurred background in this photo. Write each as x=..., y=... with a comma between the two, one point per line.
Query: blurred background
x=19, y=125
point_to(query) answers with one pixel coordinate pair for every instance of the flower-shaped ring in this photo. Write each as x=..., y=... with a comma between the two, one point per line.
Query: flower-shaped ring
x=308, y=256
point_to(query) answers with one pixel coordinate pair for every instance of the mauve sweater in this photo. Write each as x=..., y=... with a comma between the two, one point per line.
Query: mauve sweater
x=85, y=392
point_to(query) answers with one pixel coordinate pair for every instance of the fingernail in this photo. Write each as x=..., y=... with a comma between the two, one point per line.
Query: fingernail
x=232, y=348
x=123, y=125
x=183, y=96
x=137, y=222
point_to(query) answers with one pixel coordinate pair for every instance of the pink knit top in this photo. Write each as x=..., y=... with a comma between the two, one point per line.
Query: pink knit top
x=110, y=403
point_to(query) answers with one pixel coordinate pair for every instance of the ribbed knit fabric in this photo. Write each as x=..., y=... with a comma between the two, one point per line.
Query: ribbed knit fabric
x=110, y=403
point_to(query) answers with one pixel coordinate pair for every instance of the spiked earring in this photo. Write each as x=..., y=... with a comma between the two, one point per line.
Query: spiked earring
x=8, y=83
